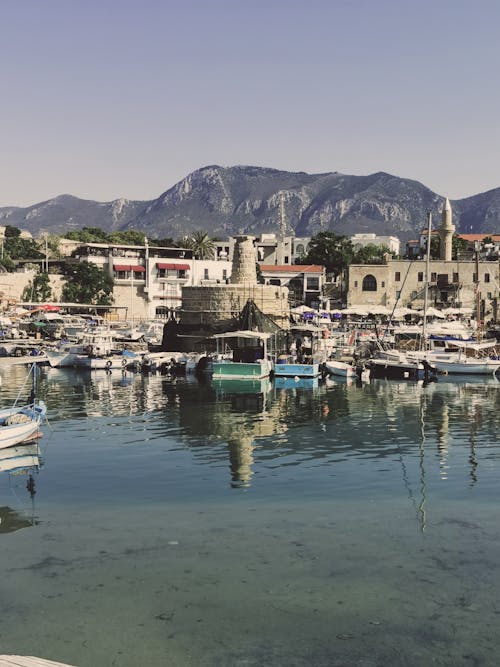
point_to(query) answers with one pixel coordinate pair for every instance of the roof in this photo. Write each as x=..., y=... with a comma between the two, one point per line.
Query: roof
x=479, y=237
x=292, y=268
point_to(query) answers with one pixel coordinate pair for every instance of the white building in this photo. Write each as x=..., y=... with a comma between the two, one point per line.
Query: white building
x=362, y=240
x=148, y=280
x=269, y=249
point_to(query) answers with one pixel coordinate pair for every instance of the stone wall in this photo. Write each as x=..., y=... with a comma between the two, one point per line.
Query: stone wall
x=206, y=305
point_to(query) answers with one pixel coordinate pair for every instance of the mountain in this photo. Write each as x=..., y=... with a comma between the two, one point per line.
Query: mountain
x=225, y=201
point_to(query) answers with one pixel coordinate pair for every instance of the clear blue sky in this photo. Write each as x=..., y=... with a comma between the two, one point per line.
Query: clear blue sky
x=123, y=98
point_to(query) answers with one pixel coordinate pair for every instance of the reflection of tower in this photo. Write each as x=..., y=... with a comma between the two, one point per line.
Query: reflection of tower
x=241, y=459
x=446, y=231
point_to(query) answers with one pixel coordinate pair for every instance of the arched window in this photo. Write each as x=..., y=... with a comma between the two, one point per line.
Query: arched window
x=369, y=283
x=299, y=250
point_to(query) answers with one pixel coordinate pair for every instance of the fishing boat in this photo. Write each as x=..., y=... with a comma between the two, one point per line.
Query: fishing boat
x=248, y=358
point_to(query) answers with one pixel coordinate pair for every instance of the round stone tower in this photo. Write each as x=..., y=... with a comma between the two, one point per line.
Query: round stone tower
x=446, y=231
x=243, y=268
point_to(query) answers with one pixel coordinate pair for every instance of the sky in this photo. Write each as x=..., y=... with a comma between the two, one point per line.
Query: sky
x=104, y=99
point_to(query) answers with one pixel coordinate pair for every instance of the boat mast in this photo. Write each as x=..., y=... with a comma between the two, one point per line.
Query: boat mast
x=426, y=284
x=478, y=293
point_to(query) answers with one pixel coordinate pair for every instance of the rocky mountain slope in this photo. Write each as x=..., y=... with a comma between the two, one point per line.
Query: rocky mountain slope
x=225, y=201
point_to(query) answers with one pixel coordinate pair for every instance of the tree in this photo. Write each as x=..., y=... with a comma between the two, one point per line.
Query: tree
x=370, y=254
x=88, y=235
x=87, y=283
x=201, y=244
x=331, y=250
x=12, y=232
x=459, y=245
x=127, y=237
x=39, y=290
x=17, y=248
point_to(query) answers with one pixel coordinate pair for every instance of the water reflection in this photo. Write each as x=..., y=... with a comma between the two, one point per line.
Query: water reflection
x=262, y=424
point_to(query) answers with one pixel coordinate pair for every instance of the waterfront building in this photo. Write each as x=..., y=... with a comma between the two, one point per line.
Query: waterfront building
x=470, y=282
x=362, y=240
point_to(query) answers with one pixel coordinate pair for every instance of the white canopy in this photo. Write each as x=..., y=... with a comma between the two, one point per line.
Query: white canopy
x=259, y=335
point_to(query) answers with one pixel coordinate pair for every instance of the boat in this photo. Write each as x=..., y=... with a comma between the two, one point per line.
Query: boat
x=401, y=369
x=21, y=423
x=460, y=357
x=286, y=366
x=249, y=359
x=340, y=368
x=306, y=357
x=96, y=342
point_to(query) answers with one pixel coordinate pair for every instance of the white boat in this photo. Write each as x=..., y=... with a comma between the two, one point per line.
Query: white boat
x=460, y=357
x=95, y=341
x=20, y=424
x=340, y=368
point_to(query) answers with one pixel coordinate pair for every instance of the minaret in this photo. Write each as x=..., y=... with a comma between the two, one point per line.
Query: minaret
x=446, y=231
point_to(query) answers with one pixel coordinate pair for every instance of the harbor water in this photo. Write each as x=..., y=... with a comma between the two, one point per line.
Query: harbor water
x=243, y=524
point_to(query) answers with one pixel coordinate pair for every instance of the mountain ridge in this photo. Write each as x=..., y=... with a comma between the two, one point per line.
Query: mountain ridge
x=225, y=201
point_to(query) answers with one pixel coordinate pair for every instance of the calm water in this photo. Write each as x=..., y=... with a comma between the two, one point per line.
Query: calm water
x=198, y=525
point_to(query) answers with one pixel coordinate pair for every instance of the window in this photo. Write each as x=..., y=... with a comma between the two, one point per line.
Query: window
x=486, y=277
x=313, y=283
x=420, y=277
x=355, y=283
x=474, y=277
x=382, y=283
x=444, y=297
x=455, y=277
x=397, y=276
x=369, y=283
x=224, y=274
x=121, y=275
x=286, y=260
x=433, y=277
x=413, y=295
x=398, y=294
x=205, y=274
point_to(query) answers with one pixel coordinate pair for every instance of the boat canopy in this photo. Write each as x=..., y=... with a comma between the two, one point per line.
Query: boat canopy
x=255, y=335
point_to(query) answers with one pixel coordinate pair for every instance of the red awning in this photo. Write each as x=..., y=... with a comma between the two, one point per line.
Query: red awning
x=173, y=267
x=128, y=267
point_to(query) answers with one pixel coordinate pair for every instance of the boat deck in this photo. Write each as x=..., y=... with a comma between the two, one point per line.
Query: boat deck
x=28, y=661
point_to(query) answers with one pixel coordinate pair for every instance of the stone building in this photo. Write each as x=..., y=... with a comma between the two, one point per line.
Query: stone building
x=464, y=283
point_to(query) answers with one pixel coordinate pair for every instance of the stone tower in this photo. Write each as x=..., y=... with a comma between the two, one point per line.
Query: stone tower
x=446, y=231
x=243, y=269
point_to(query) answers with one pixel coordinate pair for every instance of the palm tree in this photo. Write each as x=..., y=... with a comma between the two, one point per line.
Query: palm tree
x=201, y=244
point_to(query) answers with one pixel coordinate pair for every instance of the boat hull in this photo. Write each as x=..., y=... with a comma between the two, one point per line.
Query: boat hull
x=297, y=370
x=341, y=369
x=235, y=370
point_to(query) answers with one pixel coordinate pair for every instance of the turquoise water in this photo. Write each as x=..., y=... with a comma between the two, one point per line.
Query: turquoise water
x=305, y=523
